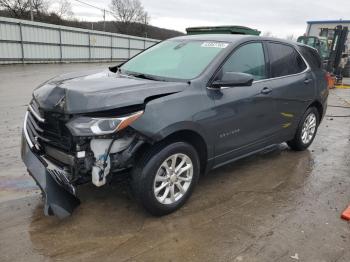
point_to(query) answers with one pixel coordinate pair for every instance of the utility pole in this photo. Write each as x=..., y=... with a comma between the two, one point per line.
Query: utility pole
x=145, y=24
x=31, y=10
x=104, y=19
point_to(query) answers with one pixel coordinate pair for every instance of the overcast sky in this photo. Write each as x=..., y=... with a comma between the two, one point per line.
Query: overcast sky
x=280, y=17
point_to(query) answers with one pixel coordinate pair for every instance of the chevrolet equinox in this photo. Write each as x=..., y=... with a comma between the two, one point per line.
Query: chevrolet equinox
x=175, y=111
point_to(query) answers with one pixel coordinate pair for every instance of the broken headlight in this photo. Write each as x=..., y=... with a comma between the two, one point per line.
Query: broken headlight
x=88, y=126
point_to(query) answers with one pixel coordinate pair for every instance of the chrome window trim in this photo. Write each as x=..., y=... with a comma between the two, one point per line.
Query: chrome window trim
x=36, y=115
x=30, y=143
x=279, y=77
x=217, y=88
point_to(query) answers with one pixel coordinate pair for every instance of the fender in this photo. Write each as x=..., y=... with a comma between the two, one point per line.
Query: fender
x=181, y=126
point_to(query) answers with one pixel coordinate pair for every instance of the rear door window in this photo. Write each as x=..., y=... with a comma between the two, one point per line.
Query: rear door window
x=284, y=60
x=247, y=59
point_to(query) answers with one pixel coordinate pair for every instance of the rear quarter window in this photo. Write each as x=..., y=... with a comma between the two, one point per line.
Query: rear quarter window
x=312, y=56
x=284, y=60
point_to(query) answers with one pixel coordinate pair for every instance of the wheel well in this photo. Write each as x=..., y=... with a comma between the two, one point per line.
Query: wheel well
x=193, y=139
x=319, y=108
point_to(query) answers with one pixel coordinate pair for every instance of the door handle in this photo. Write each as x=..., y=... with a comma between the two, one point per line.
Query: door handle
x=266, y=90
x=307, y=80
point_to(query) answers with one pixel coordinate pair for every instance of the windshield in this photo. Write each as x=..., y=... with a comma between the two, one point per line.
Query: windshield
x=324, y=51
x=174, y=59
x=311, y=41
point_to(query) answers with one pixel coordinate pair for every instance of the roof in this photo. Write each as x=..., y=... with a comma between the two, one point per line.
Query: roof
x=221, y=26
x=340, y=21
x=228, y=29
x=214, y=37
x=231, y=38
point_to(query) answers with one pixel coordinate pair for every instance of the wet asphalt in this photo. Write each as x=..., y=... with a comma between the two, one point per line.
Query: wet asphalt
x=275, y=206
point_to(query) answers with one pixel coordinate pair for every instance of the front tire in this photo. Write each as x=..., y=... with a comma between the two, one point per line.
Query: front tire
x=306, y=131
x=165, y=177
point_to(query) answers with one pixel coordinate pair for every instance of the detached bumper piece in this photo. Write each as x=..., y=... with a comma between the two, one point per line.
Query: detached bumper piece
x=60, y=199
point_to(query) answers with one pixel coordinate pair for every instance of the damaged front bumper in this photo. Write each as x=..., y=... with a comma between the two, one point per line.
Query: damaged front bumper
x=60, y=195
x=59, y=163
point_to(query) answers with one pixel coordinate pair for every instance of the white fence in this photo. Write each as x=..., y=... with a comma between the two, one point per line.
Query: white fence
x=24, y=41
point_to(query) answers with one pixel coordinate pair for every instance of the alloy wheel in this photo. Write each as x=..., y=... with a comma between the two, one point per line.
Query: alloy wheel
x=309, y=128
x=173, y=179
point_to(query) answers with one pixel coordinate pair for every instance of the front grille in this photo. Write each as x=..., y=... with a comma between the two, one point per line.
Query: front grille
x=48, y=128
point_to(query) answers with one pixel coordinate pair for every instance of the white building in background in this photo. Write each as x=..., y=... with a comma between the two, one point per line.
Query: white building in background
x=325, y=28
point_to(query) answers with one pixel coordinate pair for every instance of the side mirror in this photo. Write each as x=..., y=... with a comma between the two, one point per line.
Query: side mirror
x=232, y=79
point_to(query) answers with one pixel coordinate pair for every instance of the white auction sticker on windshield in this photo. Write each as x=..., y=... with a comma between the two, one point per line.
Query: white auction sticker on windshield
x=214, y=44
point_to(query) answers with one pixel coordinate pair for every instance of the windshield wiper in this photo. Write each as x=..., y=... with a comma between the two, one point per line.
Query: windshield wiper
x=145, y=76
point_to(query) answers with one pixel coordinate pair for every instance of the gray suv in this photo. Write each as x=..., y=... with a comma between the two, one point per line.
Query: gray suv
x=170, y=114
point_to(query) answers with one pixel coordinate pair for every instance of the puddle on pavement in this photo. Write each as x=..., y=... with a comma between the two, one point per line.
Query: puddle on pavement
x=15, y=187
x=19, y=183
x=110, y=222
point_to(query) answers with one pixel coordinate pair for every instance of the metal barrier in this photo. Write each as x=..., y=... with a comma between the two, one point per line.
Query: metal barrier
x=24, y=41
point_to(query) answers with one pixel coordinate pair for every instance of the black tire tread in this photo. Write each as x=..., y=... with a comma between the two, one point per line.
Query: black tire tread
x=296, y=144
x=138, y=177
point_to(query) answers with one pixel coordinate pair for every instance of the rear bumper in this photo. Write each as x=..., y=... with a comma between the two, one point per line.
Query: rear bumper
x=59, y=194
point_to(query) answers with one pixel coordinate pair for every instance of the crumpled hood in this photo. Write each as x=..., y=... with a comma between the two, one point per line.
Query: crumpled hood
x=92, y=91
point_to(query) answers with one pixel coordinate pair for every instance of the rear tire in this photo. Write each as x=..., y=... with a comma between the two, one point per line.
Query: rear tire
x=165, y=177
x=306, y=131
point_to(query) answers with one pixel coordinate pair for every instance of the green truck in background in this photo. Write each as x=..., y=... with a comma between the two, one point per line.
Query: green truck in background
x=234, y=29
x=320, y=43
x=332, y=46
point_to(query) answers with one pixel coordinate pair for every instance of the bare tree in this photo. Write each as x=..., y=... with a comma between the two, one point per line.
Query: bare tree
x=21, y=8
x=17, y=8
x=40, y=7
x=64, y=10
x=128, y=11
x=267, y=34
x=290, y=37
